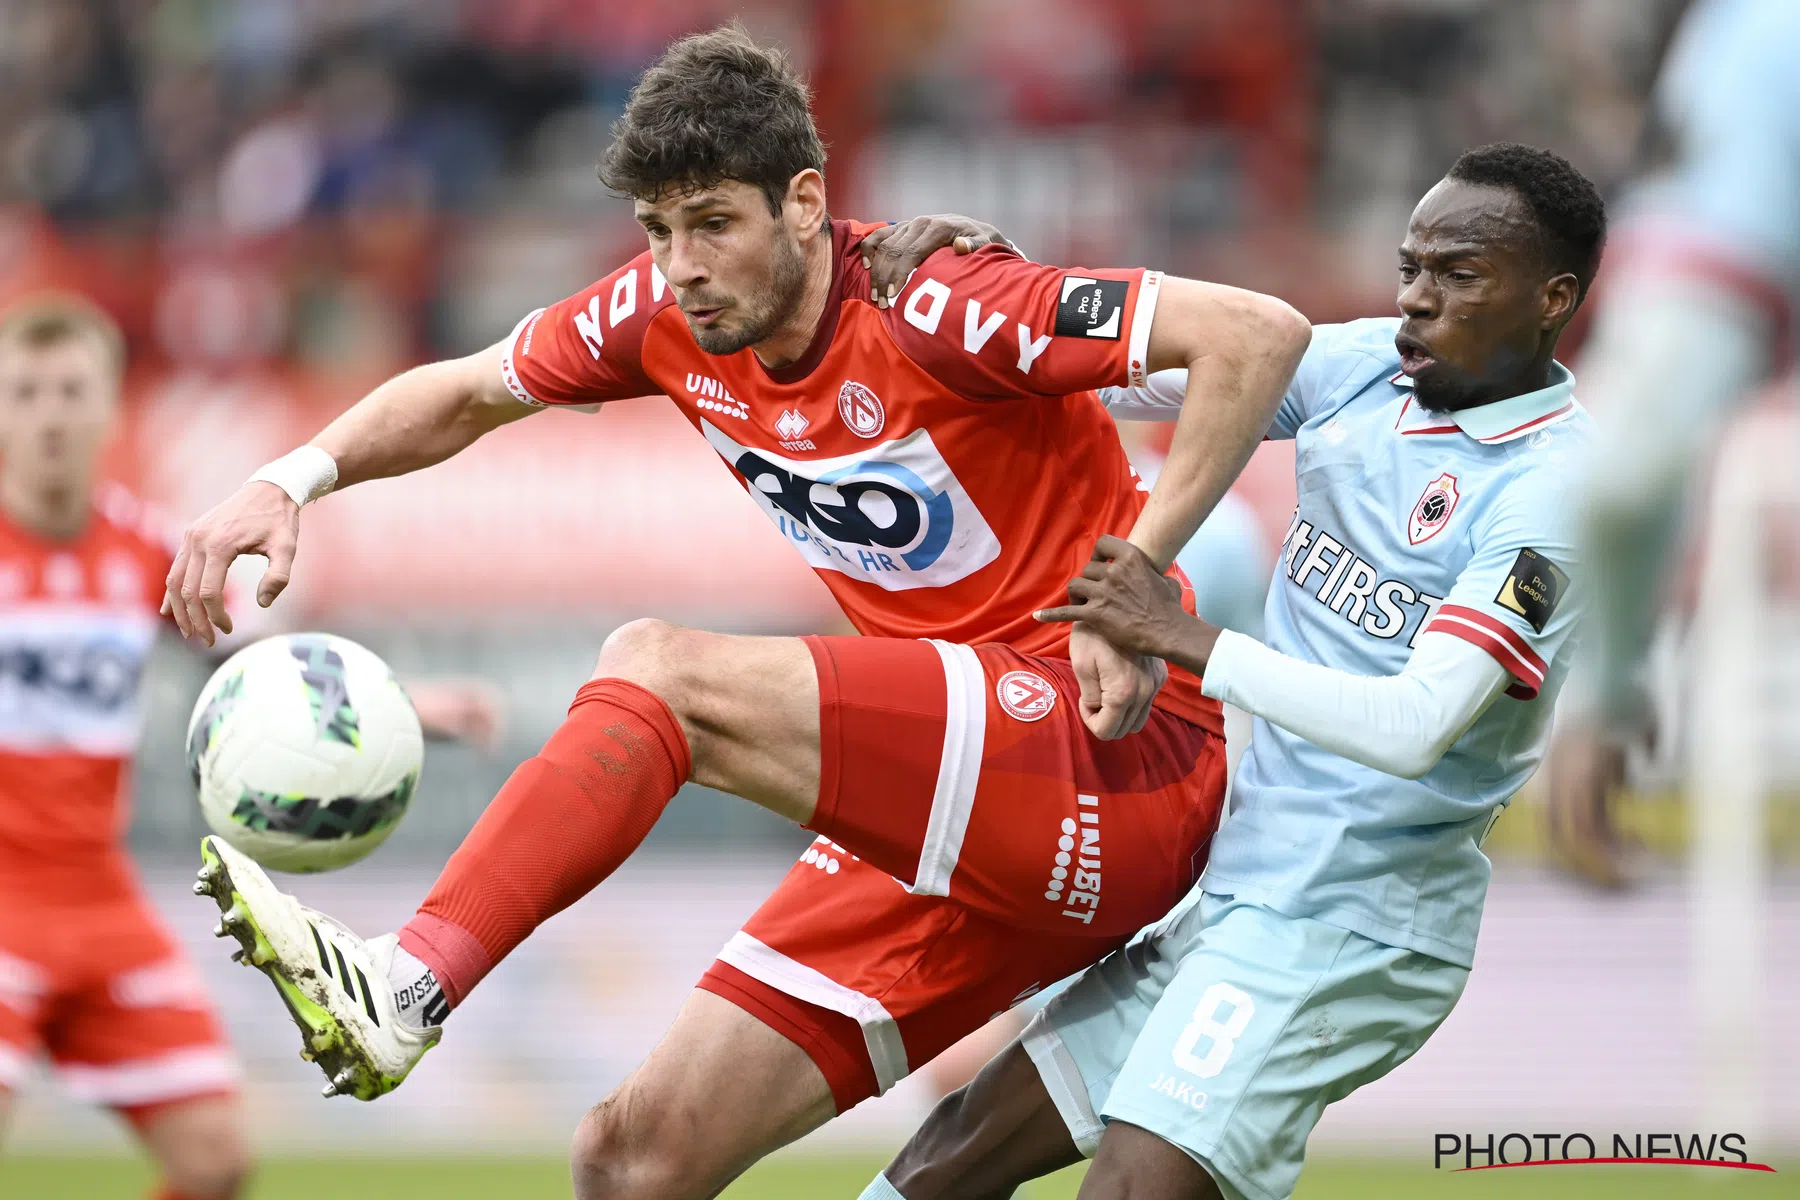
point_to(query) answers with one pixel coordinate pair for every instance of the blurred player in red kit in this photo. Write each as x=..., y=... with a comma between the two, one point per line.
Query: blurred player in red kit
x=89, y=976
x=998, y=802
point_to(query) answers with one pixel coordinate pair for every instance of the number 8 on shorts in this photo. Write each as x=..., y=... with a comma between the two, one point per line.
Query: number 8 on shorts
x=1222, y=1035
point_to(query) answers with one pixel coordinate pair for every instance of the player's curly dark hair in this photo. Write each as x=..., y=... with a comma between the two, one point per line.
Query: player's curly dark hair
x=715, y=106
x=1569, y=212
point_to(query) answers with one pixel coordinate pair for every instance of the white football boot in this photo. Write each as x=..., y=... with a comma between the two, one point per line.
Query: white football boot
x=334, y=983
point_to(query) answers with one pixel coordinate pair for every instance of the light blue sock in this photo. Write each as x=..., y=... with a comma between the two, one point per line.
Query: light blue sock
x=881, y=1189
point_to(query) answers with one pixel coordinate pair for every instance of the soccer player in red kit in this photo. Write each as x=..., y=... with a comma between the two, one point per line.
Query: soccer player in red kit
x=89, y=976
x=997, y=803
x=88, y=973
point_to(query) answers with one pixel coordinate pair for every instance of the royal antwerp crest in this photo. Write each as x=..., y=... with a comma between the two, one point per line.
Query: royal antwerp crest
x=1025, y=695
x=1433, y=510
x=861, y=409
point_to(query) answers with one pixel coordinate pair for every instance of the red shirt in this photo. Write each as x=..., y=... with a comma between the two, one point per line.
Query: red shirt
x=943, y=464
x=77, y=620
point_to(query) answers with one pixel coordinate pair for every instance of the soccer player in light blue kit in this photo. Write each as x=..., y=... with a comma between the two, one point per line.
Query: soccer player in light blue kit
x=1704, y=281
x=1417, y=631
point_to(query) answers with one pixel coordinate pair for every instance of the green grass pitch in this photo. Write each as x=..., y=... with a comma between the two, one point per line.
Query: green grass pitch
x=40, y=1177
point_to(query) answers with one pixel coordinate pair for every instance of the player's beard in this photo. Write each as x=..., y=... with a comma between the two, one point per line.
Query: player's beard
x=766, y=309
x=1442, y=396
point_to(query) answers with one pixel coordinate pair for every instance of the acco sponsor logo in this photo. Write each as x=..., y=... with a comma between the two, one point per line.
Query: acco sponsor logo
x=72, y=677
x=1084, y=890
x=714, y=398
x=895, y=515
x=95, y=677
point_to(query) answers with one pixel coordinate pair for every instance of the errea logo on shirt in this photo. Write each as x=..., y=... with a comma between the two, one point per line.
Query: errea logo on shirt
x=894, y=515
x=790, y=425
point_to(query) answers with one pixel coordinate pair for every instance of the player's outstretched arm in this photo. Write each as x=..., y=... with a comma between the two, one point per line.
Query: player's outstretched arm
x=421, y=417
x=1240, y=349
x=1400, y=724
x=412, y=421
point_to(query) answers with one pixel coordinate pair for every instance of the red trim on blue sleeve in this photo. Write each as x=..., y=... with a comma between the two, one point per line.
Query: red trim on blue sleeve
x=1498, y=639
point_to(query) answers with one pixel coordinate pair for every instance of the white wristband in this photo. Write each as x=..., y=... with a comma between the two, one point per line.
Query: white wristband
x=304, y=474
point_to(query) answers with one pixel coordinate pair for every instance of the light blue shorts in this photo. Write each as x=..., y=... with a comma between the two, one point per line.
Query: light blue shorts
x=1226, y=1028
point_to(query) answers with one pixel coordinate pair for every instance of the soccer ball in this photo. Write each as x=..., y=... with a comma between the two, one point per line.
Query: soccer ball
x=305, y=751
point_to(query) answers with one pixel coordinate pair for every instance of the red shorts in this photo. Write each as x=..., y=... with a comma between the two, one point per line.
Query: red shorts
x=89, y=977
x=977, y=844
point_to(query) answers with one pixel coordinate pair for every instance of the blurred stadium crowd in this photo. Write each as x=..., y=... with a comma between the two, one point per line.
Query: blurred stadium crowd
x=284, y=201
x=353, y=185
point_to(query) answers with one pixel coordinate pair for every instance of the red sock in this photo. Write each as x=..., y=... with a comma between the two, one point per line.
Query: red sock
x=563, y=822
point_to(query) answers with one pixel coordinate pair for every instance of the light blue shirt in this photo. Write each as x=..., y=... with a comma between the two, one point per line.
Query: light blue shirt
x=1406, y=519
x=1729, y=95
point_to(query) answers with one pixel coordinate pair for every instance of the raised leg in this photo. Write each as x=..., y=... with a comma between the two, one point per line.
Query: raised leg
x=749, y=707
x=666, y=705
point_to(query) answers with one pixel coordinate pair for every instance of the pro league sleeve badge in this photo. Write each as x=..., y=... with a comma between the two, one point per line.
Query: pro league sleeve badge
x=1533, y=588
x=1092, y=308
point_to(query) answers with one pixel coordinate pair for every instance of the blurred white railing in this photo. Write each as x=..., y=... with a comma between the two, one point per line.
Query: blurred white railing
x=1739, y=725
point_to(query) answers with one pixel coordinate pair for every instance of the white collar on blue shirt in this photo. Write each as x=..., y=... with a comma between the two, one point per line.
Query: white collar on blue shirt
x=1501, y=421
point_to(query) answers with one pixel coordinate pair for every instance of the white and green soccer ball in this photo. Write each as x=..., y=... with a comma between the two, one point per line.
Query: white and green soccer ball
x=305, y=751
